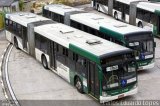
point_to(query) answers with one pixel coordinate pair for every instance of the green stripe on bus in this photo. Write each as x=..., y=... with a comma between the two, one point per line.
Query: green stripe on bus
x=84, y=53
x=157, y=12
x=111, y=33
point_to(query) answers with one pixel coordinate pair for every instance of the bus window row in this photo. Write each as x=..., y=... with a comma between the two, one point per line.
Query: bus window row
x=15, y=28
x=93, y=31
x=68, y=58
x=102, y=2
x=121, y=7
x=146, y=16
x=54, y=16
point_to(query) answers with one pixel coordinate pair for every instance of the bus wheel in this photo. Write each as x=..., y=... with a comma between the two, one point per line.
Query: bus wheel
x=16, y=43
x=116, y=15
x=44, y=62
x=140, y=24
x=78, y=84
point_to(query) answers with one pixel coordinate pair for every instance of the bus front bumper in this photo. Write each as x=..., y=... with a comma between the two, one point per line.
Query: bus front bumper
x=149, y=66
x=110, y=98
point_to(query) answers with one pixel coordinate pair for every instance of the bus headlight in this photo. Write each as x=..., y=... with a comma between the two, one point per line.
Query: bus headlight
x=131, y=69
x=104, y=94
x=134, y=44
x=135, y=86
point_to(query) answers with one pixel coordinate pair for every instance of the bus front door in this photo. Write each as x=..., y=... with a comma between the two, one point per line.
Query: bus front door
x=52, y=55
x=93, y=80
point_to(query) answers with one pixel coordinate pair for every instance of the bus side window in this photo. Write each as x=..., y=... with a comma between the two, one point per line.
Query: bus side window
x=61, y=19
x=92, y=31
x=153, y=19
x=146, y=16
x=14, y=27
x=85, y=28
x=49, y=14
x=19, y=30
x=45, y=12
x=10, y=25
x=79, y=26
x=60, y=56
x=6, y=23
x=74, y=24
x=126, y=8
x=139, y=13
x=81, y=66
x=71, y=63
x=65, y=56
x=37, y=41
x=44, y=44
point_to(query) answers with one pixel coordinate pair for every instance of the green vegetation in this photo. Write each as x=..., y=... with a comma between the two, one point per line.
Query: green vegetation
x=1, y=20
x=21, y=5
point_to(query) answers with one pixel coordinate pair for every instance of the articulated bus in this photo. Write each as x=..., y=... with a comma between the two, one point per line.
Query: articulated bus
x=141, y=40
x=100, y=68
x=141, y=13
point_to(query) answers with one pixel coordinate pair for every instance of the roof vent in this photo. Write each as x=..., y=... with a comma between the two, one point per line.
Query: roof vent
x=21, y=14
x=67, y=8
x=120, y=25
x=97, y=18
x=93, y=42
x=30, y=16
x=78, y=36
x=64, y=31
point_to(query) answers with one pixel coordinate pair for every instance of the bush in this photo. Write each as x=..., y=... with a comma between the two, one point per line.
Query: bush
x=21, y=5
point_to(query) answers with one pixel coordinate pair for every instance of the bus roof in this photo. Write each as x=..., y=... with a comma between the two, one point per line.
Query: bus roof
x=24, y=18
x=149, y=6
x=62, y=9
x=129, y=1
x=97, y=21
x=67, y=36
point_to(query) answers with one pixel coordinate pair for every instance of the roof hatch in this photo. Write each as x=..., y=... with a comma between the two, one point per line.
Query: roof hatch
x=31, y=16
x=97, y=18
x=66, y=30
x=120, y=25
x=67, y=8
x=93, y=41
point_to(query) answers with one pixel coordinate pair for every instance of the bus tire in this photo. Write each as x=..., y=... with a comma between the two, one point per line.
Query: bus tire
x=140, y=24
x=44, y=61
x=116, y=15
x=78, y=84
x=16, y=43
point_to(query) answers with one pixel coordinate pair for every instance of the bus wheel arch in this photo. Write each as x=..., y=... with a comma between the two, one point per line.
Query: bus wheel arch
x=44, y=61
x=116, y=15
x=78, y=84
x=140, y=24
x=16, y=43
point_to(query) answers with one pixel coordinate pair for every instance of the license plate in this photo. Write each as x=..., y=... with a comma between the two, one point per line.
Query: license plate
x=120, y=96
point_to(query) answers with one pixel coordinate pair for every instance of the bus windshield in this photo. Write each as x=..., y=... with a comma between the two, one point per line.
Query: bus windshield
x=120, y=71
x=144, y=47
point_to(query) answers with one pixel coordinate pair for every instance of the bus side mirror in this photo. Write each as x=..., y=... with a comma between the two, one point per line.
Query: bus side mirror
x=154, y=44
